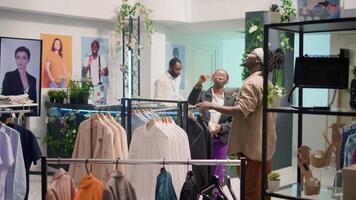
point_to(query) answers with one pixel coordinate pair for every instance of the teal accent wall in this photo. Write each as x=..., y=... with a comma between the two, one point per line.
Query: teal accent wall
x=233, y=50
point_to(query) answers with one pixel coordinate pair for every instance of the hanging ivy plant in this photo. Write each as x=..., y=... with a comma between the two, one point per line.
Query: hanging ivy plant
x=288, y=11
x=285, y=43
x=127, y=11
x=64, y=142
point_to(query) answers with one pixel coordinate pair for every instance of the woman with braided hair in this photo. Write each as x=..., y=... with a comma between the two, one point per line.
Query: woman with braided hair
x=246, y=132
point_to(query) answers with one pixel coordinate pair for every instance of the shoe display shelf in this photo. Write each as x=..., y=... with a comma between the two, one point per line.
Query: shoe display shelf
x=299, y=189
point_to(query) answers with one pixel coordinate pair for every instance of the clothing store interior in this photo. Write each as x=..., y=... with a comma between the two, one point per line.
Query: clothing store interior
x=188, y=100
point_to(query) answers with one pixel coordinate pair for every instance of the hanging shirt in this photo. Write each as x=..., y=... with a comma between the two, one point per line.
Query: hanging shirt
x=157, y=141
x=123, y=139
x=7, y=160
x=118, y=187
x=347, y=130
x=189, y=190
x=31, y=151
x=62, y=187
x=15, y=188
x=116, y=142
x=90, y=189
x=167, y=87
x=94, y=140
x=164, y=186
x=199, y=143
x=350, y=148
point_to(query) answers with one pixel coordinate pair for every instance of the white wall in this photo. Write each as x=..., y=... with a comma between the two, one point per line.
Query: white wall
x=193, y=64
x=228, y=45
x=349, y=4
x=25, y=25
x=103, y=10
x=211, y=10
x=157, y=64
x=171, y=10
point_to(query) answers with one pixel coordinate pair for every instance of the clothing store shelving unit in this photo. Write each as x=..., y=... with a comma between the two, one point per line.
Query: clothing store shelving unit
x=332, y=25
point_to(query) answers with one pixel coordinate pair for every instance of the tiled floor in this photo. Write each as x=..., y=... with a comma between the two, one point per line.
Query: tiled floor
x=288, y=176
x=35, y=187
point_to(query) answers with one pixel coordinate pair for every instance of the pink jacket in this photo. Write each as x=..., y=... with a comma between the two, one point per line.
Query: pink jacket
x=62, y=187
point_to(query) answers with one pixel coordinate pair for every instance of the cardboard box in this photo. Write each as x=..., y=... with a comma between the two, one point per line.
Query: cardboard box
x=349, y=182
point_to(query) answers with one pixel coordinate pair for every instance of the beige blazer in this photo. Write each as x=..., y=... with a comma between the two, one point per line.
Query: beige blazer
x=116, y=142
x=123, y=139
x=62, y=187
x=94, y=140
x=246, y=131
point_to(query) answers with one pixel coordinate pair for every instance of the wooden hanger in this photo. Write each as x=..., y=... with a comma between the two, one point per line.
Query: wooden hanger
x=150, y=123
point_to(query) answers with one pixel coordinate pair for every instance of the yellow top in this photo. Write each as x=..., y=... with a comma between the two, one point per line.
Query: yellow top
x=57, y=66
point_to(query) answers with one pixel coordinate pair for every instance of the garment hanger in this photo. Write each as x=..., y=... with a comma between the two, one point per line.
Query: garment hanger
x=215, y=184
x=10, y=120
x=228, y=183
x=117, y=164
x=140, y=115
x=150, y=123
x=86, y=166
x=149, y=114
x=164, y=163
x=188, y=166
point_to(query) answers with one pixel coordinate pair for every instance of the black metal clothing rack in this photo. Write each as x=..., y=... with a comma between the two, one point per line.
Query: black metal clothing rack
x=127, y=105
x=45, y=161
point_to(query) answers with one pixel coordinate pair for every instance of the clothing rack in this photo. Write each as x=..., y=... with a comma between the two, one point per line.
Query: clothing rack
x=128, y=104
x=7, y=109
x=45, y=161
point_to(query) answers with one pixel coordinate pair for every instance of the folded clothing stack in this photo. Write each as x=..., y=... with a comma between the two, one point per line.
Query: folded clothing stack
x=15, y=99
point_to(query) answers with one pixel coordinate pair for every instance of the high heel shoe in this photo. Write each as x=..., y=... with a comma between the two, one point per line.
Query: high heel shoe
x=311, y=184
x=320, y=158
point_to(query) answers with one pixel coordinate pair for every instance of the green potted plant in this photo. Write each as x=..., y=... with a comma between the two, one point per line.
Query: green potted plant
x=74, y=92
x=85, y=90
x=273, y=181
x=61, y=95
x=275, y=94
x=288, y=12
x=52, y=95
x=285, y=43
x=79, y=91
x=274, y=14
